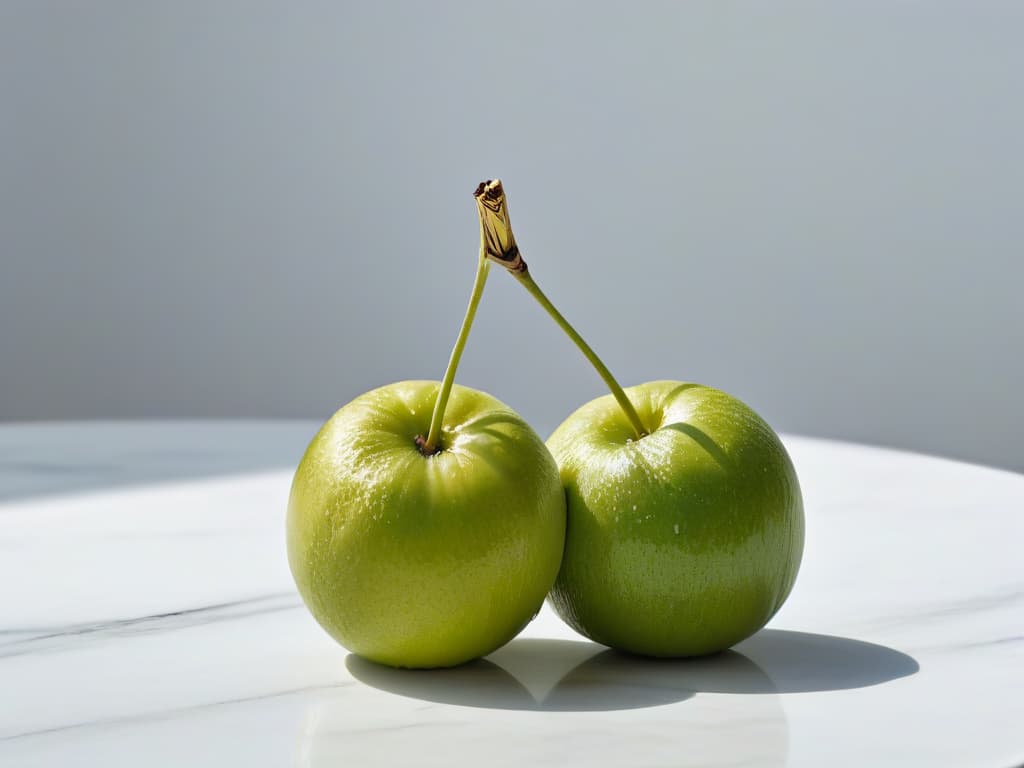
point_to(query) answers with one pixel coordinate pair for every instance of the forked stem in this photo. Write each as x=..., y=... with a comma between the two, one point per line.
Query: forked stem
x=499, y=244
x=432, y=443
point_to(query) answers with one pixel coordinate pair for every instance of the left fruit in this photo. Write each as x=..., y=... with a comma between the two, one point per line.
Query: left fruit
x=417, y=560
x=426, y=521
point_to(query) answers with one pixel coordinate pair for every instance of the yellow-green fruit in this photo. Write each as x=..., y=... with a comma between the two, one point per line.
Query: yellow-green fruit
x=425, y=561
x=682, y=542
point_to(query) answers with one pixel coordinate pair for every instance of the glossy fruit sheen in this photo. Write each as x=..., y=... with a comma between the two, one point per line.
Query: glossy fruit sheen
x=425, y=561
x=685, y=541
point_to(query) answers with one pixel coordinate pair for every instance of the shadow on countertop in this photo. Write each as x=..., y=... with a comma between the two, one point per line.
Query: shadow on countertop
x=575, y=675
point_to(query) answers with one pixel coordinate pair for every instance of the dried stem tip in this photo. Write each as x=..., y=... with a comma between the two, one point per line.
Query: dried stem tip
x=498, y=241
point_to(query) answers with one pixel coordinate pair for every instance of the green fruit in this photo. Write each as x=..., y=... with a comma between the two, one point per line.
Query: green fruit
x=682, y=542
x=685, y=522
x=418, y=560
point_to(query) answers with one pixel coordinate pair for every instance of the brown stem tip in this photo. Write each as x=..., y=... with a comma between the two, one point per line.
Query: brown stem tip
x=498, y=241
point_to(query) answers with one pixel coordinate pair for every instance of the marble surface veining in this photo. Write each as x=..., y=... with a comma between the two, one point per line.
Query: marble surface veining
x=147, y=617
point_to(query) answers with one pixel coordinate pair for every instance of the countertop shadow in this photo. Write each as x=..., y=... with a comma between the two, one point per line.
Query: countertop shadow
x=800, y=662
x=531, y=674
x=579, y=676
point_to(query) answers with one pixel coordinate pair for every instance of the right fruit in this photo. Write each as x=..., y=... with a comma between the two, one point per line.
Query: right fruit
x=684, y=541
x=685, y=523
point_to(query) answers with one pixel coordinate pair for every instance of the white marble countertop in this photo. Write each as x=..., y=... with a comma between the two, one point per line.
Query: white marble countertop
x=147, y=617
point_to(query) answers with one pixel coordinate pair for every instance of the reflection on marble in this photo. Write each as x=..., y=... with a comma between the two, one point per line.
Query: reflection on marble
x=151, y=620
x=707, y=731
x=588, y=697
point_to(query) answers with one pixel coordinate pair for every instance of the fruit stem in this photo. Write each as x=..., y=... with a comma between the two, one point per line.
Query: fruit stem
x=432, y=443
x=526, y=280
x=499, y=244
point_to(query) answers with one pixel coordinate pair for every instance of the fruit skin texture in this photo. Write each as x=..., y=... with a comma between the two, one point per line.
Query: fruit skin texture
x=425, y=561
x=681, y=543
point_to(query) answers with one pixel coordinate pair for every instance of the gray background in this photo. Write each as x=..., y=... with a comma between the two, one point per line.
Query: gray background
x=240, y=209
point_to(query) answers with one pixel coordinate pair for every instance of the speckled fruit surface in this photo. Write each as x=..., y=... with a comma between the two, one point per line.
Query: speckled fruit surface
x=425, y=561
x=682, y=542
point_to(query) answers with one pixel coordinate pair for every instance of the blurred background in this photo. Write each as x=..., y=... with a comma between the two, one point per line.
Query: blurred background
x=250, y=209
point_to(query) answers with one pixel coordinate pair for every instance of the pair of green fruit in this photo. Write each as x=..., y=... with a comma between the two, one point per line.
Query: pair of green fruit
x=427, y=522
